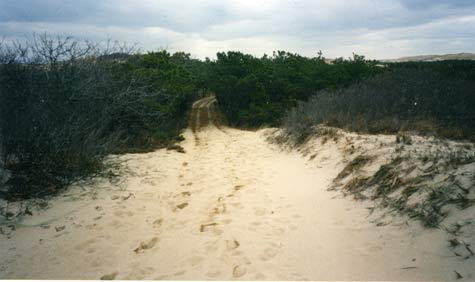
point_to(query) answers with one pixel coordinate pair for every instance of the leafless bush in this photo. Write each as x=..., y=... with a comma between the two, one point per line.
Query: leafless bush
x=64, y=105
x=416, y=100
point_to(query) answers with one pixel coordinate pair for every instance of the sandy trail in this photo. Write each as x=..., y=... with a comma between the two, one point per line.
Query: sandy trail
x=232, y=207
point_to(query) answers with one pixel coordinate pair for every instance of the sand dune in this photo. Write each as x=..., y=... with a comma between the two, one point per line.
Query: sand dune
x=232, y=207
x=434, y=58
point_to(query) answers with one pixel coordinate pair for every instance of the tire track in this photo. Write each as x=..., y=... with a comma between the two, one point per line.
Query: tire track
x=204, y=114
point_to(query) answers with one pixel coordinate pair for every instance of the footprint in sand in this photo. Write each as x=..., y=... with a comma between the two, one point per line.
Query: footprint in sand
x=183, y=194
x=115, y=223
x=211, y=246
x=232, y=244
x=105, y=237
x=84, y=245
x=179, y=273
x=245, y=260
x=237, y=205
x=139, y=273
x=96, y=263
x=177, y=224
x=259, y=211
x=227, y=221
x=110, y=276
x=122, y=213
x=182, y=206
x=207, y=226
x=162, y=277
x=268, y=254
x=146, y=245
x=281, y=220
x=122, y=207
x=213, y=274
x=256, y=223
x=239, y=271
x=93, y=226
x=298, y=277
x=237, y=253
x=238, y=187
x=195, y=260
x=278, y=230
x=217, y=231
x=220, y=209
x=259, y=276
x=157, y=223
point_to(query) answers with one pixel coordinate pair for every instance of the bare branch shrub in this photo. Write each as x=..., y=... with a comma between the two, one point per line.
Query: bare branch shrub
x=65, y=104
x=397, y=100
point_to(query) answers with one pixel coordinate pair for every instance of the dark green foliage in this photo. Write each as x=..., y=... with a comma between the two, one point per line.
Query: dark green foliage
x=257, y=91
x=168, y=89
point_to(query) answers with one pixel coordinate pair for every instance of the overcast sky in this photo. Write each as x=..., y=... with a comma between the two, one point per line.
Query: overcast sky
x=376, y=28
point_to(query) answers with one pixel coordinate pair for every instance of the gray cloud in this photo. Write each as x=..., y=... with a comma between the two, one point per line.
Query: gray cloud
x=378, y=29
x=423, y=4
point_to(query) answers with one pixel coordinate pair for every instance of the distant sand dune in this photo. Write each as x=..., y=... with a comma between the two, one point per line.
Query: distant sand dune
x=432, y=58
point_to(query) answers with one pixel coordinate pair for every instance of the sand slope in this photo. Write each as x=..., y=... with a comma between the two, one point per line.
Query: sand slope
x=233, y=207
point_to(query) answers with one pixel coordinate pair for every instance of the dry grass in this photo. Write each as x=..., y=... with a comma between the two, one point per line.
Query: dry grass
x=420, y=101
x=355, y=165
x=425, y=180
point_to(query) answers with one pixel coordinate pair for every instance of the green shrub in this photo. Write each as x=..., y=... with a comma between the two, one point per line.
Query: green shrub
x=253, y=92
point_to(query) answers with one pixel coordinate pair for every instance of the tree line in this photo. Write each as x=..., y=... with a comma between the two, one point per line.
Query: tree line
x=253, y=91
x=356, y=94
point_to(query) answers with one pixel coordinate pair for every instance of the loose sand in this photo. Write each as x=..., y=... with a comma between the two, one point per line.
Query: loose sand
x=232, y=207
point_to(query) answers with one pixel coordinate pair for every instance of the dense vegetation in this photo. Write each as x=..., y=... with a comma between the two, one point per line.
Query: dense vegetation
x=255, y=91
x=65, y=105
x=434, y=98
x=355, y=94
